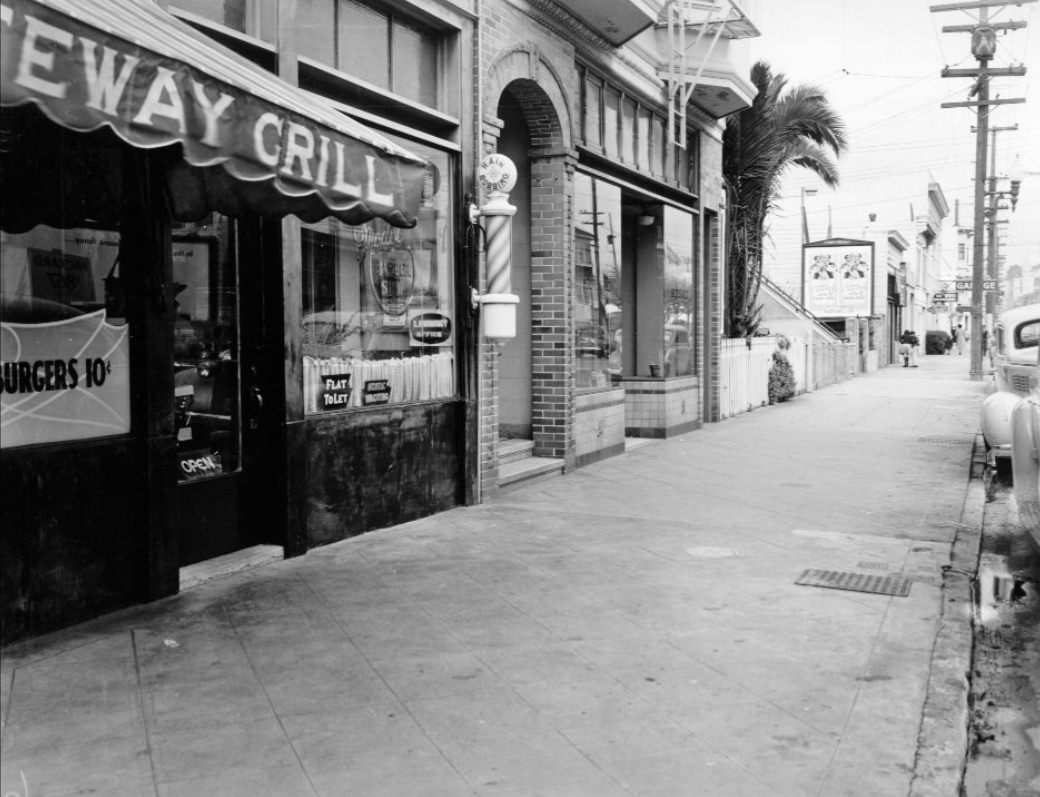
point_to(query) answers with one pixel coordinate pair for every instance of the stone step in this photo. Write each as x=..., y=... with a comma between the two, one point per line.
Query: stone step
x=513, y=450
x=527, y=471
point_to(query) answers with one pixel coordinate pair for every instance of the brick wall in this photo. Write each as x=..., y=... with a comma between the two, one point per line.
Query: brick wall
x=518, y=54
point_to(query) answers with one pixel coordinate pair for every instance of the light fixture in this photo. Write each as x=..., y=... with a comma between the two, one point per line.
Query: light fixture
x=645, y=221
x=1015, y=177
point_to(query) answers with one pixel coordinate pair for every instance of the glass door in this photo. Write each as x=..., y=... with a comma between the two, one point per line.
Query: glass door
x=217, y=402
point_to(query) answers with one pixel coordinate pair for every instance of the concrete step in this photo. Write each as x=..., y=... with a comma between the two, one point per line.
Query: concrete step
x=513, y=450
x=527, y=471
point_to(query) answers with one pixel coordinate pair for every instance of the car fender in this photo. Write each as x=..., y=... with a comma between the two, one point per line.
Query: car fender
x=995, y=419
x=1025, y=449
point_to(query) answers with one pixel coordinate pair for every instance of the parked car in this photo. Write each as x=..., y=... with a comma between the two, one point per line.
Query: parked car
x=1016, y=343
x=1025, y=461
x=1016, y=370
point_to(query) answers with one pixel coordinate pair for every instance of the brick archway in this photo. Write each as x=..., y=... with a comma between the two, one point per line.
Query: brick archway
x=524, y=77
x=541, y=93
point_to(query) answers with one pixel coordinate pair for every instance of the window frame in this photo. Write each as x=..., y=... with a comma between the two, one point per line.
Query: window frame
x=645, y=155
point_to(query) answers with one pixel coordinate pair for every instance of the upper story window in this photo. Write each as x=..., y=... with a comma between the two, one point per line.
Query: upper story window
x=256, y=18
x=369, y=41
x=388, y=50
x=629, y=132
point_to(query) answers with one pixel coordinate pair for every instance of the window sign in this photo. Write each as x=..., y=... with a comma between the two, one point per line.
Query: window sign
x=335, y=391
x=65, y=361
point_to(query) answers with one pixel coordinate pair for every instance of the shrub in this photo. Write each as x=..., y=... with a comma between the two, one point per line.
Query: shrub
x=781, y=379
x=936, y=341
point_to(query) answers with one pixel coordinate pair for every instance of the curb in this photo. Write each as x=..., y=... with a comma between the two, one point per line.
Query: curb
x=942, y=741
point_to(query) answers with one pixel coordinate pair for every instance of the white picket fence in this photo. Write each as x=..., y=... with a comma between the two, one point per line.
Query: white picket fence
x=744, y=374
x=801, y=362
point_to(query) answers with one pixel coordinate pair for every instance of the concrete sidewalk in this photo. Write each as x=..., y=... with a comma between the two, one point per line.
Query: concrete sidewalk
x=632, y=628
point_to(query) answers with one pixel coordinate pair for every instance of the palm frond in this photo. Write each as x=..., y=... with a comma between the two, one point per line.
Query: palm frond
x=783, y=127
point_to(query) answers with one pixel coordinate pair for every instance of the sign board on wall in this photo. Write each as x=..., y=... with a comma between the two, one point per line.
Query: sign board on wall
x=64, y=380
x=838, y=278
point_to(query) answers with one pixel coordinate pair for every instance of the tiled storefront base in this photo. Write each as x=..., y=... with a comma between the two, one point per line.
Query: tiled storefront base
x=661, y=407
x=599, y=425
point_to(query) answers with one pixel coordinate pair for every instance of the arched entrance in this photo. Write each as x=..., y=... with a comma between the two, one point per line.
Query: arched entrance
x=514, y=364
x=535, y=369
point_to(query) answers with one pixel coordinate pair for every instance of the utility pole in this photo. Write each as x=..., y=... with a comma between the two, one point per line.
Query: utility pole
x=991, y=212
x=983, y=47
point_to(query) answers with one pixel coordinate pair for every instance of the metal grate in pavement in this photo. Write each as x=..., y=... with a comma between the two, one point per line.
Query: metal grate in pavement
x=946, y=440
x=856, y=582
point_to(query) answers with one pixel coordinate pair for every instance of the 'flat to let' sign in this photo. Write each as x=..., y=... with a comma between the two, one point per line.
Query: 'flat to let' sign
x=987, y=285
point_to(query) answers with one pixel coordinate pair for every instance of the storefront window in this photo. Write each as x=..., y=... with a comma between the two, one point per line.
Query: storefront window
x=379, y=320
x=64, y=340
x=206, y=375
x=597, y=281
x=678, y=292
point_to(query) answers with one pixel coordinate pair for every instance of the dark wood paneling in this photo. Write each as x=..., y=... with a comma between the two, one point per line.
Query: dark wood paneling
x=146, y=258
x=376, y=468
x=70, y=546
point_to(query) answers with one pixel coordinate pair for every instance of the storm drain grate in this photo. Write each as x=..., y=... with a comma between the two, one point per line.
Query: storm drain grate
x=856, y=582
x=946, y=440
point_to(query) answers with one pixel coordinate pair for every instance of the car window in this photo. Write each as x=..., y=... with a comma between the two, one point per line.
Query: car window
x=1027, y=335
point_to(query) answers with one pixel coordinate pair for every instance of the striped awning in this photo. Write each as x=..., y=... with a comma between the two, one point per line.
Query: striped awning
x=250, y=142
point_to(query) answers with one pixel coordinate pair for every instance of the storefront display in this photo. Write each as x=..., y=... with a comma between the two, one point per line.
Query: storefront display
x=633, y=278
x=378, y=323
x=65, y=358
x=597, y=281
x=678, y=292
x=150, y=327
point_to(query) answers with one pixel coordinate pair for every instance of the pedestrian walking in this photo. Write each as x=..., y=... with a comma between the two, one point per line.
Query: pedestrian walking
x=959, y=338
x=908, y=343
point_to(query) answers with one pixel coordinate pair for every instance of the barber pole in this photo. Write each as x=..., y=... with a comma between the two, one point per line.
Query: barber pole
x=498, y=176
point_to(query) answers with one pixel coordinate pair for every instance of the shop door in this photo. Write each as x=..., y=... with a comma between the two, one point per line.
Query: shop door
x=515, y=362
x=218, y=386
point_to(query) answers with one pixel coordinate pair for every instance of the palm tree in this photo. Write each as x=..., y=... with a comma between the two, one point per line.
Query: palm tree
x=796, y=127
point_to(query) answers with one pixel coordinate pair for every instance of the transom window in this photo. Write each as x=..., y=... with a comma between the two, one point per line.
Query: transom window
x=627, y=131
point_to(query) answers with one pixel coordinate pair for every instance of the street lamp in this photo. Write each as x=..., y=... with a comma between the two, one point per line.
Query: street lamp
x=1015, y=174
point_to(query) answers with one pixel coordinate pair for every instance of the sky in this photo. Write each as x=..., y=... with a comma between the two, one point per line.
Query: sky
x=880, y=63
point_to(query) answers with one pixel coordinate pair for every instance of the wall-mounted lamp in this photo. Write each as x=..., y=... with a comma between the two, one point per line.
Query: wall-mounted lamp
x=646, y=221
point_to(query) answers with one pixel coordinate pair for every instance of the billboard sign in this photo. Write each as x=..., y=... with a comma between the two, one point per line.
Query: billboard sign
x=838, y=278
